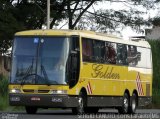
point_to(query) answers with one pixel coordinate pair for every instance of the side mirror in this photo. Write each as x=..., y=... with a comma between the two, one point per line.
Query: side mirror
x=7, y=63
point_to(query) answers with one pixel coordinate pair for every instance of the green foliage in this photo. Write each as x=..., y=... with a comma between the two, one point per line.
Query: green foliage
x=4, y=103
x=3, y=92
x=17, y=15
x=3, y=86
x=8, y=26
x=111, y=20
x=155, y=21
x=155, y=46
x=31, y=15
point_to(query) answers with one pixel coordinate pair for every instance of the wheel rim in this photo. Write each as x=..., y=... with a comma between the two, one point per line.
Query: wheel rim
x=134, y=105
x=126, y=105
x=80, y=101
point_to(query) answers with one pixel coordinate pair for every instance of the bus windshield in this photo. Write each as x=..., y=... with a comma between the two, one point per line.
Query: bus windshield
x=39, y=60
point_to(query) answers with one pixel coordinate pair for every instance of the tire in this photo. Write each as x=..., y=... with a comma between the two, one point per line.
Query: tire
x=124, y=109
x=80, y=109
x=31, y=110
x=134, y=104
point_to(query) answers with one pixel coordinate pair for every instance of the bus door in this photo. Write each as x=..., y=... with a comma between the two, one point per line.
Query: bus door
x=73, y=61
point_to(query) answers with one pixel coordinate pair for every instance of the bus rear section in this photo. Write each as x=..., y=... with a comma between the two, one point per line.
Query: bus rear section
x=117, y=73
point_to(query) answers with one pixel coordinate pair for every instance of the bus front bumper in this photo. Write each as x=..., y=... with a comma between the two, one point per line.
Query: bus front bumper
x=43, y=100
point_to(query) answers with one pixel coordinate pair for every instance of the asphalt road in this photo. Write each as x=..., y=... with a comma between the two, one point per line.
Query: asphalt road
x=67, y=114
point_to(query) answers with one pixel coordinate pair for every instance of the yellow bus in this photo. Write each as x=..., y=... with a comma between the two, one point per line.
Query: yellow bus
x=81, y=70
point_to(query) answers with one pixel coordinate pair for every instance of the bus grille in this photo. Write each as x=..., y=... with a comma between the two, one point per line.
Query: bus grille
x=28, y=90
x=35, y=91
x=43, y=91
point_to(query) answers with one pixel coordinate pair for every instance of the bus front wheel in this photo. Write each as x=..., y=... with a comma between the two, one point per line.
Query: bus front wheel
x=80, y=109
x=31, y=110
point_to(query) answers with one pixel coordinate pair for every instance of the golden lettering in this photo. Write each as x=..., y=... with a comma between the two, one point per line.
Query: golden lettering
x=100, y=72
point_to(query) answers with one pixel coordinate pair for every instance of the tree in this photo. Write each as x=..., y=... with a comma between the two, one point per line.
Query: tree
x=18, y=15
x=77, y=14
x=78, y=6
x=156, y=21
x=8, y=26
x=33, y=14
x=110, y=20
x=105, y=20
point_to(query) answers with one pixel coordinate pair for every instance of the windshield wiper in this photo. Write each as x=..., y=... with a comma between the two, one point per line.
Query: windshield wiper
x=29, y=71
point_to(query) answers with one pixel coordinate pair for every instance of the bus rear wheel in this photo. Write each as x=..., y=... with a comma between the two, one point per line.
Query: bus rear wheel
x=133, y=106
x=124, y=109
x=31, y=109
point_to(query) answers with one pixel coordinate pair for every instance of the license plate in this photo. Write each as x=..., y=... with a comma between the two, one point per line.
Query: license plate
x=35, y=99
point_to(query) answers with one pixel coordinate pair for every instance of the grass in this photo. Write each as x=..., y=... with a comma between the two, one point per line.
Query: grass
x=156, y=96
x=4, y=98
x=155, y=46
x=4, y=103
x=3, y=93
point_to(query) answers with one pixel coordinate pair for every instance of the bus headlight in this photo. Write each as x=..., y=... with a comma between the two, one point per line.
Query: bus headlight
x=15, y=91
x=59, y=92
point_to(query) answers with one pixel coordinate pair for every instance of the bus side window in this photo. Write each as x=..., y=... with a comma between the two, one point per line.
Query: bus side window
x=110, y=53
x=130, y=55
x=87, y=49
x=122, y=54
x=133, y=55
x=98, y=51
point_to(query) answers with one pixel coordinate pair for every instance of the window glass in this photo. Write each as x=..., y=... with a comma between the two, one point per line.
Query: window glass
x=121, y=54
x=39, y=61
x=110, y=53
x=137, y=56
x=98, y=51
x=87, y=49
x=133, y=55
x=148, y=57
x=141, y=57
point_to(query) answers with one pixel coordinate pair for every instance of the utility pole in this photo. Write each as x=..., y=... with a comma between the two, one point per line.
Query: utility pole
x=48, y=14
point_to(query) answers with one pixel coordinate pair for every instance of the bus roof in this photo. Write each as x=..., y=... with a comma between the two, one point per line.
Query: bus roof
x=82, y=33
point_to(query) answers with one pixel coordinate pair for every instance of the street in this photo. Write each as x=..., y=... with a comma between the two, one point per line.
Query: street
x=67, y=114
